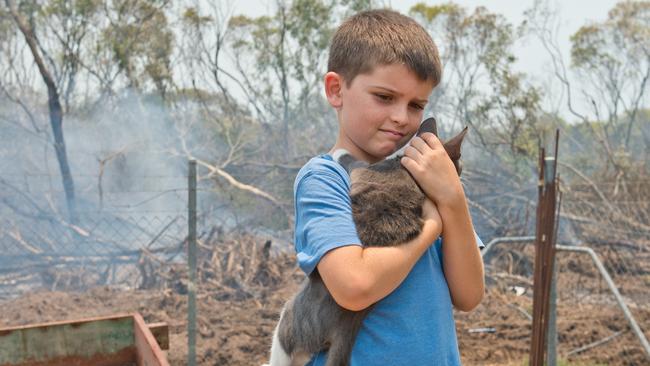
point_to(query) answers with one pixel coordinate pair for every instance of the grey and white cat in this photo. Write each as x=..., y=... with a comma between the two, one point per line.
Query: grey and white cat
x=387, y=211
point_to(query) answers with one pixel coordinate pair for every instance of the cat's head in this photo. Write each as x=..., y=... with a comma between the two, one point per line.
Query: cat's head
x=452, y=147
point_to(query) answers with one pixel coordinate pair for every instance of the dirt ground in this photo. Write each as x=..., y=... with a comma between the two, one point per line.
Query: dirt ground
x=243, y=286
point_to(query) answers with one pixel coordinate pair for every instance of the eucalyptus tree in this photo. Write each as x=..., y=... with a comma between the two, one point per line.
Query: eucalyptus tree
x=280, y=60
x=139, y=41
x=54, y=32
x=612, y=59
x=606, y=82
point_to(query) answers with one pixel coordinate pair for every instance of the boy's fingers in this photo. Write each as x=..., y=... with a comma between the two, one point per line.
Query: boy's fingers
x=418, y=144
x=412, y=152
x=431, y=140
x=412, y=166
x=408, y=163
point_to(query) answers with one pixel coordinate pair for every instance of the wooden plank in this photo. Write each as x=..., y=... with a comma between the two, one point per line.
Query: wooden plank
x=160, y=331
x=124, y=357
x=82, y=339
x=147, y=350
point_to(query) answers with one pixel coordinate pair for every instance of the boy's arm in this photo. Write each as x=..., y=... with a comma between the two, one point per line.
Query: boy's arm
x=461, y=256
x=462, y=261
x=357, y=277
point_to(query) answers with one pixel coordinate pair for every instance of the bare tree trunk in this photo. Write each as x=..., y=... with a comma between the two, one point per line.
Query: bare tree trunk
x=284, y=84
x=56, y=112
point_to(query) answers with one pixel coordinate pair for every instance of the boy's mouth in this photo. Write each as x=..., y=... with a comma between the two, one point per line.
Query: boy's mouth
x=393, y=134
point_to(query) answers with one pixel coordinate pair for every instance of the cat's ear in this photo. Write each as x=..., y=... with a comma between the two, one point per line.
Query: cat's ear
x=452, y=146
x=347, y=161
x=428, y=125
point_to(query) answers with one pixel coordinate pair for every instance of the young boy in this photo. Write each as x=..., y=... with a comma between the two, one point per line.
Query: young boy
x=382, y=68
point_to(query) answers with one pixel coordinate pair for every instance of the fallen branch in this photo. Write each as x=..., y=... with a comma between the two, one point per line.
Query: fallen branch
x=237, y=184
x=17, y=237
x=522, y=311
x=595, y=344
x=215, y=170
x=606, y=202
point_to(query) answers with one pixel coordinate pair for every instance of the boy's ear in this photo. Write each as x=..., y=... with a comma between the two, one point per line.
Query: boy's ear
x=333, y=85
x=452, y=146
x=428, y=125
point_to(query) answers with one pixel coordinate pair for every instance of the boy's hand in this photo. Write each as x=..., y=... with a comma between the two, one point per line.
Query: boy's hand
x=426, y=159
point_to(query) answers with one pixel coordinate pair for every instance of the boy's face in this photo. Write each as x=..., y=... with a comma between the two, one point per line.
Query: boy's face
x=379, y=111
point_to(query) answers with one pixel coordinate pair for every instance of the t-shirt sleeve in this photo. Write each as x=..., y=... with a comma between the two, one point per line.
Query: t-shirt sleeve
x=323, y=217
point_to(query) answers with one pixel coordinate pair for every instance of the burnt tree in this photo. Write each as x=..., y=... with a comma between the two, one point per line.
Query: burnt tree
x=54, y=106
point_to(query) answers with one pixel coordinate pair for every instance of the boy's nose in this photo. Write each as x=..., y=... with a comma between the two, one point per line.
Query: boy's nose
x=400, y=115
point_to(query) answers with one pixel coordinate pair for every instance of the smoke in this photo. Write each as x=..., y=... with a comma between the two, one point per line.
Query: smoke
x=128, y=161
x=125, y=153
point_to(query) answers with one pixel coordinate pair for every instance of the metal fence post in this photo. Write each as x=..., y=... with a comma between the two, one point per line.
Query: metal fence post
x=551, y=336
x=551, y=327
x=545, y=236
x=191, y=259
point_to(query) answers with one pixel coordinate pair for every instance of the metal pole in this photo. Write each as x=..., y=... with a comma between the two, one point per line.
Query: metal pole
x=545, y=232
x=551, y=336
x=191, y=259
x=551, y=327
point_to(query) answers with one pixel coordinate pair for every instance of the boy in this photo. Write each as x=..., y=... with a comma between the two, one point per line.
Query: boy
x=382, y=68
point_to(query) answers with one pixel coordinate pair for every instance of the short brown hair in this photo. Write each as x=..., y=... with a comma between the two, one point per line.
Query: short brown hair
x=383, y=37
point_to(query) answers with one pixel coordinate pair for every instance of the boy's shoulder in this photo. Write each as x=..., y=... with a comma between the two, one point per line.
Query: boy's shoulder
x=322, y=165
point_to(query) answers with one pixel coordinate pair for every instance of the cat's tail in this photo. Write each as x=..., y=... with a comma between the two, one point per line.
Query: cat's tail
x=279, y=356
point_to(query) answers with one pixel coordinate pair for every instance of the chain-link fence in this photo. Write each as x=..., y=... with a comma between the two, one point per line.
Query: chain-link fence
x=118, y=229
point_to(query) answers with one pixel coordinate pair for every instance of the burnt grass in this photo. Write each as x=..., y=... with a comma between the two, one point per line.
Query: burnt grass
x=244, y=282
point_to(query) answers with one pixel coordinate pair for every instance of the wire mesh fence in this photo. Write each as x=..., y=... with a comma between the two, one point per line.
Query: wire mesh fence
x=100, y=235
x=117, y=230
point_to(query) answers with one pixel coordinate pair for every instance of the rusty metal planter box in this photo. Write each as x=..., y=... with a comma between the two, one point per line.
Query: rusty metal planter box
x=118, y=340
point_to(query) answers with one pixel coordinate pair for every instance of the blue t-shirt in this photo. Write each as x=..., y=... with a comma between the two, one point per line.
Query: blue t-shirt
x=413, y=325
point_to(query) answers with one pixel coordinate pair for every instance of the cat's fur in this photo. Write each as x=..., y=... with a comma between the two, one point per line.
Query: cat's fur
x=387, y=210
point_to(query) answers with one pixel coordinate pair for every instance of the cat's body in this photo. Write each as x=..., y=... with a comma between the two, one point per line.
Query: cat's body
x=387, y=211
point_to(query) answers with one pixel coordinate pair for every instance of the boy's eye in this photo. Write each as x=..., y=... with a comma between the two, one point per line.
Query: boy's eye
x=384, y=97
x=388, y=98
